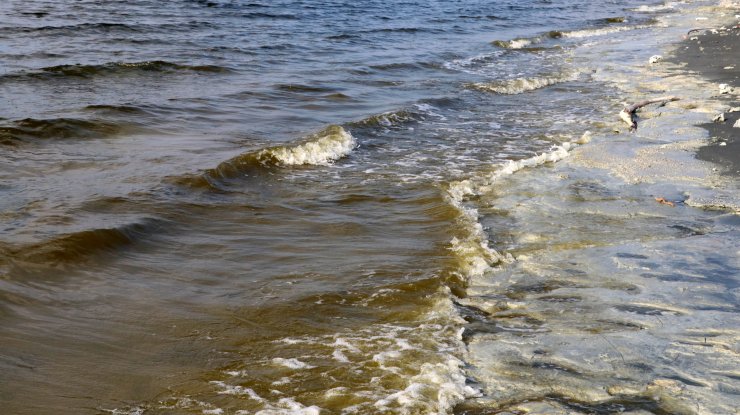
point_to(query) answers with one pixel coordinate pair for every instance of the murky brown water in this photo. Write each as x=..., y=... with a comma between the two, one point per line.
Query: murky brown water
x=321, y=207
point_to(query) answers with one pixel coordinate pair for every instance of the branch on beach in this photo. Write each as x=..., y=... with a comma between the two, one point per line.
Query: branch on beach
x=697, y=30
x=628, y=113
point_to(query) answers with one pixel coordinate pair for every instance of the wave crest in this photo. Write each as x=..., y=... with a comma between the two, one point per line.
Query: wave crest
x=525, y=43
x=79, y=246
x=521, y=85
x=387, y=119
x=577, y=34
x=471, y=247
x=113, y=68
x=519, y=43
x=31, y=128
x=321, y=148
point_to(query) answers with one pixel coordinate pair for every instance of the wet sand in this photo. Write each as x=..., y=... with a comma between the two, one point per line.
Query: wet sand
x=715, y=57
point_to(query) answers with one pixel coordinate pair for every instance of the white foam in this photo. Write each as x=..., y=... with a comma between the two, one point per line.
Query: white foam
x=473, y=250
x=577, y=34
x=465, y=64
x=236, y=373
x=518, y=43
x=403, y=344
x=287, y=406
x=282, y=381
x=133, y=411
x=341, y=342
x=325, y=147
x=445, y=381
x=656, y=8
x=382, y=357
x=430, y=110
x=291, y=363
x=423, y=354
x=520, y=85
x=339, y=356
x=290, y=340
x=227, y=389
x=338, y=391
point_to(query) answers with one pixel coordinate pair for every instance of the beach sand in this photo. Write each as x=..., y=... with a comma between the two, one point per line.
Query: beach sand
x=715, y=56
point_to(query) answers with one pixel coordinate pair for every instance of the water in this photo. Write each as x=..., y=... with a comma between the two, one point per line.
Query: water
x=222, y=207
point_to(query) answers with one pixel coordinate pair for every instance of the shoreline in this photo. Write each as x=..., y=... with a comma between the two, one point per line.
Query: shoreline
x=713, y=55
x=650, y=307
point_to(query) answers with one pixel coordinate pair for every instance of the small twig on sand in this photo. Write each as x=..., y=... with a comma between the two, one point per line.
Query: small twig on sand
x=613, y=347
x=628, y=113
x=695, y=30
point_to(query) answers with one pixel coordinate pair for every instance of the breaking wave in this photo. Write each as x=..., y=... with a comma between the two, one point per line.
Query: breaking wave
x=322, y=148
x=612, y=27
x=388, y=119
x=517, y=43
x=577, y=34
x=413, y=368
x=521, y=85
x=656, y=8
x=471, y=247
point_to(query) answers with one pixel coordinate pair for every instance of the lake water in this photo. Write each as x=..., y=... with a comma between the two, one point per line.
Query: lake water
x=337, y=207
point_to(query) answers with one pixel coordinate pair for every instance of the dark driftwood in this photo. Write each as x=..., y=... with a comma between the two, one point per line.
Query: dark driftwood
x=628, y=113
x=696, y=30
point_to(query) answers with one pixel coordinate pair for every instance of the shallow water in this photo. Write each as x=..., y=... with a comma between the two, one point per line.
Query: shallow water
x=221, y=207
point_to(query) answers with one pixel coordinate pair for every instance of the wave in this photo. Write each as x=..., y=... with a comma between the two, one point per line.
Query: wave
x=401, y=66
x=596, y=31
x=413, y=362
x=471, y=246
x=521, y=85
x=229, y=5
x=656, y=8
x=393, y=119
x=56, y=128
x=611, y=27
x=343, y=36
x=321, y=148
x=618, y=19
x=388, y=119
x=78, y=246
x=402, y=30
x=115, y=68
x=303, y=88
x=261, y=15
x=102, y=26
x=122, y=67
x=121, y=109
x=487, y=17
x=518, y=43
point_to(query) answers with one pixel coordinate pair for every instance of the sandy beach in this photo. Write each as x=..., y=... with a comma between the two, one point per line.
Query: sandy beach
x=713, y=54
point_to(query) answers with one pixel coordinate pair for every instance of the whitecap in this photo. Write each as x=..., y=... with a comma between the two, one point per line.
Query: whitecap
x=521, y=85
x=323, y=148
x=291, y=363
